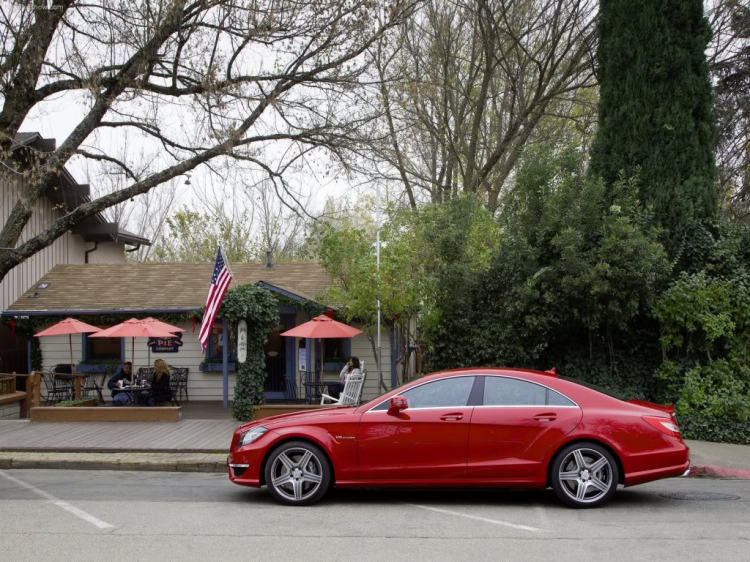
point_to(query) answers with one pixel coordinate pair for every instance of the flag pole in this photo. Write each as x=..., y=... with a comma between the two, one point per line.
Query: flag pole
x=229, y=267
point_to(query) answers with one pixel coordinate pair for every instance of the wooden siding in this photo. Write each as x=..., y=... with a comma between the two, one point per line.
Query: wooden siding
x=209, y=385
x=68, y=248
x=21, y=278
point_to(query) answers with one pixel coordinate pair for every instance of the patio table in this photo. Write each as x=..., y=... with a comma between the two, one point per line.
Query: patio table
x=313, y=388
x=132, y=390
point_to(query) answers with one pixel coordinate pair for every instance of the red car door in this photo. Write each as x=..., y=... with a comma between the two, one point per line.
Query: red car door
x=517, y=424
x=426, y=441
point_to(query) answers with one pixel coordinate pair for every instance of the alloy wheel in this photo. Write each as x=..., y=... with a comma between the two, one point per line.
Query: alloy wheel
x=296, y=474
x=585, y=475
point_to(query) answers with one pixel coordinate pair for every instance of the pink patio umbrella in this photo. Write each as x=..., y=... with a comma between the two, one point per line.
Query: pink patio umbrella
x=133, y=328
x=322, y=327
x=68, y=327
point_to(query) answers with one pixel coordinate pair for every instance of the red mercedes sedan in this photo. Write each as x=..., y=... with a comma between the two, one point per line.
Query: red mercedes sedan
x=476, y=428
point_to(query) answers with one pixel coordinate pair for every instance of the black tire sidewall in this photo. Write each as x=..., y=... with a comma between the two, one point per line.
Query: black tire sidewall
x=325, y=464
x=557, y=485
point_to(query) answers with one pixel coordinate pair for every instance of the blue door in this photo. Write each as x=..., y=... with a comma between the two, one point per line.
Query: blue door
x=279, y=354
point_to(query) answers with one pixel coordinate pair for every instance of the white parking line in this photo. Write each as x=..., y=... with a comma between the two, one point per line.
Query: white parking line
x=476, y=518
x=59, y=503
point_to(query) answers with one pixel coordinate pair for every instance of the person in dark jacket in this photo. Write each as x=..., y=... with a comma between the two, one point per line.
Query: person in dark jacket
x=120, y=398
x=160, y=389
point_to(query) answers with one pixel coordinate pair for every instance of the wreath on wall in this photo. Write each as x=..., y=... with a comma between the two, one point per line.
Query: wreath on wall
x=259, y=308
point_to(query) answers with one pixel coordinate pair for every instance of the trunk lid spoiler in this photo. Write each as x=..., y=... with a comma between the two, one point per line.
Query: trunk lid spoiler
x=669, y=409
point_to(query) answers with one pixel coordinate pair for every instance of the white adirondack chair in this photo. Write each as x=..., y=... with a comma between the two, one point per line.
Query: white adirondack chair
x=350, y=395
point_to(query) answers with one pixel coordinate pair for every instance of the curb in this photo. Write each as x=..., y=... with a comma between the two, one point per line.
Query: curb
x=164, y=462
x=711, y=471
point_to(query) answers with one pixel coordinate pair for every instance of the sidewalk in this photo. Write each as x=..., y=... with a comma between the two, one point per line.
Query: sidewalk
x=719, y=460
x=167, y=462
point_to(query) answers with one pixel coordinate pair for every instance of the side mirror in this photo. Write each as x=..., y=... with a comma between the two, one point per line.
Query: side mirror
x=397, y=404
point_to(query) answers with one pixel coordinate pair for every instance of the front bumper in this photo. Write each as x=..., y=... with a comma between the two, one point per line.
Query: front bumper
x=243, y=466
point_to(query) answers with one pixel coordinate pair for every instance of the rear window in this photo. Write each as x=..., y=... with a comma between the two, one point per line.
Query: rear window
x=596, y=387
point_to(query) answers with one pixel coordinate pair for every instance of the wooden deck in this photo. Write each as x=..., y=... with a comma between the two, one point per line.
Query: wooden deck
x=187, y=436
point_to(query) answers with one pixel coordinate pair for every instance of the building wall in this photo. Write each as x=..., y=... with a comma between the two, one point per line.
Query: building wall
x=25, y=275
x=68, y=248
x=106, y=252
x=209, y=385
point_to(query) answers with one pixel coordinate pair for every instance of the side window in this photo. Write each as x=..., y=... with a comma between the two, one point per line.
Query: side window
x=500, y=391
x=557, y=399
x=446, y=393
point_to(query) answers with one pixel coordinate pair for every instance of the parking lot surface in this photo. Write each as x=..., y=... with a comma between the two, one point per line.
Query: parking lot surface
x=67, y=515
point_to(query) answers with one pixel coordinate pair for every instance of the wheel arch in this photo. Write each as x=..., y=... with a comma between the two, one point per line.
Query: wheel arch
x=287, y=439
x=597, y=441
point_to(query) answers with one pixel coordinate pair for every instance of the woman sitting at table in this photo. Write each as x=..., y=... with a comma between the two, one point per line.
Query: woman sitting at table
x=351, y=368
x=160, y=390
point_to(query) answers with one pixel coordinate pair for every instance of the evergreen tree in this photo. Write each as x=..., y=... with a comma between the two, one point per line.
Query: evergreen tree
x=656, y=107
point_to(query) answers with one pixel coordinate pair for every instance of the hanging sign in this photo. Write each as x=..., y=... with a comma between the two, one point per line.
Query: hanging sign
x=165, y=345
x=242, y=342
x=302, y=359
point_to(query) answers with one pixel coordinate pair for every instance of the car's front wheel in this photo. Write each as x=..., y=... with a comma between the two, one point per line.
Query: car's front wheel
x=584, y=475
x=298, y=473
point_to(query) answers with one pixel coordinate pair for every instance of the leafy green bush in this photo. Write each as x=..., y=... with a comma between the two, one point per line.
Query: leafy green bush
x=76, y=403
x=259, y=308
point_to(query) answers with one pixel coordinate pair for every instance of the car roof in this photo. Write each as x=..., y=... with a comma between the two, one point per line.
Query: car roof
x=487, y=371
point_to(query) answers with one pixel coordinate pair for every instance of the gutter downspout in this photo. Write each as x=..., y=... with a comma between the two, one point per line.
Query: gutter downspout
x=87, y=252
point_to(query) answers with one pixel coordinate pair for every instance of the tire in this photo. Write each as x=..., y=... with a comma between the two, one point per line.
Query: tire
x=298, y=473
x=584, y=475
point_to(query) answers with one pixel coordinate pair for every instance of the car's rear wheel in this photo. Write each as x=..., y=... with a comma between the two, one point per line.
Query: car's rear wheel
x=584, y=475
x=298, y=473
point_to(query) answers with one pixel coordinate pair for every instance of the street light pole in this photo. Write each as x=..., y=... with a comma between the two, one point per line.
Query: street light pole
x=377, y=260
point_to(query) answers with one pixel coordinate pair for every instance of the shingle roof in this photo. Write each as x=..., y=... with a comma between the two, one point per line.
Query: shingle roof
x=157, y=286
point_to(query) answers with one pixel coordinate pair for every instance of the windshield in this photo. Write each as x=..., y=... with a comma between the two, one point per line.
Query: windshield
x=379, y=399
x=596, y=387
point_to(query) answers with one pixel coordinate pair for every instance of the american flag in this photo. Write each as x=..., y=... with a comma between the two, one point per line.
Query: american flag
x=220, y=281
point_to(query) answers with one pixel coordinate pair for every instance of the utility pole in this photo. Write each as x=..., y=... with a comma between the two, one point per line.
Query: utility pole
x=377, y=259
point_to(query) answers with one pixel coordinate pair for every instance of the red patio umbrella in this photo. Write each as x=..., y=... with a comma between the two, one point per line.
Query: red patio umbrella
x=322, y=327
x=68, y=327
x=133, y=328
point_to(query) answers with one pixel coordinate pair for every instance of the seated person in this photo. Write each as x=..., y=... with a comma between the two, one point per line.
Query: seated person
x=351, y=368
x=124, y=371
x=160, y=389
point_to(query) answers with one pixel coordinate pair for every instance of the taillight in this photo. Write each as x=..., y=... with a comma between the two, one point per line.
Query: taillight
x=665, y=425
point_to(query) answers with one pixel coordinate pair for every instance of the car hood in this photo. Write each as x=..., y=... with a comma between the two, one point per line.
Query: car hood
x=327, y=413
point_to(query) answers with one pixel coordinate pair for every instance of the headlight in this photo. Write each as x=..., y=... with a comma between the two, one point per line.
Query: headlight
x=251, y=435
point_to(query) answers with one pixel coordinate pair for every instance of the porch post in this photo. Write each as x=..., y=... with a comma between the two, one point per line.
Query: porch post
x=225, y=359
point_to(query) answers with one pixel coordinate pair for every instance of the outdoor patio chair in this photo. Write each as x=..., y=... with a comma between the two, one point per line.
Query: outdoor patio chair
x=180, y=376
x=174, y=387
x=350, y=395
x=55, y=390
x=145, y=373
x=93, y=384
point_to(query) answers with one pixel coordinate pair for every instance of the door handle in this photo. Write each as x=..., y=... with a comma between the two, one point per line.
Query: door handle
x=546, y=417
x=452, y=417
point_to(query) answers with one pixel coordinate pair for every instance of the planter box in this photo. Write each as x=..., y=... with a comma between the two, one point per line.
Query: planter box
x=215, y=367
x=84, y=368
x=106, y=414
x=333, y=366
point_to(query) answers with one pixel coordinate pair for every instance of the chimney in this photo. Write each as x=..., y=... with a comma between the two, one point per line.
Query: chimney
x=269, y=263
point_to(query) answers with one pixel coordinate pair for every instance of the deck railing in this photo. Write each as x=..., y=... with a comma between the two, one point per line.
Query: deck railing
x=7, y=384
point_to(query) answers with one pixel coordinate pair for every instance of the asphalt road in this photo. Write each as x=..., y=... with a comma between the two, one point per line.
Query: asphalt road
x=64, y=515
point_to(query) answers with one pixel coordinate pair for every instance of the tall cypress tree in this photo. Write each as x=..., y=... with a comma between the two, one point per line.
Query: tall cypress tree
x=656, y=106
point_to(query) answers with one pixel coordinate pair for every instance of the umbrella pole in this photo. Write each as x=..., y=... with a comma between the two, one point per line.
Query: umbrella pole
x=132, y=367
x=70, y=341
